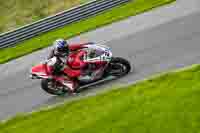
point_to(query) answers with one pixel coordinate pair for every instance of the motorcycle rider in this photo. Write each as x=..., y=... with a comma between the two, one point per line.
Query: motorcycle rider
x=61, y=49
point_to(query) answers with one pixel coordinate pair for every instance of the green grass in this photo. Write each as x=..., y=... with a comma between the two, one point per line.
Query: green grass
x=17, y=13
x=132, y=8
x=168, y=103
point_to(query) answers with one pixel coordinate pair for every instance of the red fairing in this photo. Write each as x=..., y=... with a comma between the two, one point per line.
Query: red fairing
x=42, y=68
x=74, y=47
x=38, y=68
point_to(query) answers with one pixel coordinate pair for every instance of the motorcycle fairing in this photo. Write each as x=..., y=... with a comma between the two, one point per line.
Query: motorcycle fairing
x=102, y=54
x=41, y=71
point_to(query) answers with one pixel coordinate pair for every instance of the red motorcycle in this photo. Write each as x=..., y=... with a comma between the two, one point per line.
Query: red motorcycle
x=101, y=56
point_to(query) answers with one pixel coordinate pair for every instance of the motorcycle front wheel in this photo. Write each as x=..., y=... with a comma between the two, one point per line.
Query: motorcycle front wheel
x=52, y=87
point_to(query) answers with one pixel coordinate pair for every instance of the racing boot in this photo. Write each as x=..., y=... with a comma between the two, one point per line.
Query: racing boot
x=72, y=85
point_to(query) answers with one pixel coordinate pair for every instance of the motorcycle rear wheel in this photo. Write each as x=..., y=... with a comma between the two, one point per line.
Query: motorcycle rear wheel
x=118, y=67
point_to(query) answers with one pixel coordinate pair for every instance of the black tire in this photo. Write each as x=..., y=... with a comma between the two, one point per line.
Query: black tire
x=119, y=61
x=45, y=87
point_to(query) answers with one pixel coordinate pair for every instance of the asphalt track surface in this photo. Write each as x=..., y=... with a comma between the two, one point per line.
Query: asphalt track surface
x=173, y=44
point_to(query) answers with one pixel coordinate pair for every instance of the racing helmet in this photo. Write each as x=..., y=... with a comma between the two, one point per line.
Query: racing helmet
x=61, y=45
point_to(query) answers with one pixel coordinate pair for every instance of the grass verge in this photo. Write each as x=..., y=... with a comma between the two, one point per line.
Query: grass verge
x=132, y=8
x=166, y=103
x=18, y=13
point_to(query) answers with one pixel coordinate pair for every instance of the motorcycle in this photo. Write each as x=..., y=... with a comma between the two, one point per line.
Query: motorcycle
x=105, y=66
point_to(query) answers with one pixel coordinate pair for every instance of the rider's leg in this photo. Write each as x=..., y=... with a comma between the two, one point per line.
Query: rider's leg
x=92, y=72
x=57, y=67
x=88, y=69
x=72, y=85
